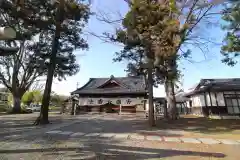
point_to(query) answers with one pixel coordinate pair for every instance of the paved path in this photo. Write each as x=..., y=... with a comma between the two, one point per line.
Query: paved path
x=135, y=136
x=115, y=127
x=56, y=122
x=113, y=137
x=128, y=128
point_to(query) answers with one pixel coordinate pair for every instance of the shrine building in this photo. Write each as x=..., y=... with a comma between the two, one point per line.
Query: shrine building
x=113, y=94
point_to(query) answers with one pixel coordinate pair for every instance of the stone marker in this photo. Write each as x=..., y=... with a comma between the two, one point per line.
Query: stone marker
x=171, y=139
x=53, y=132
x=209, y=141
x=154, y=138
x=137, y=136
x=77, y=134
x=65, y=133
x=190, y=140
x=225, y=141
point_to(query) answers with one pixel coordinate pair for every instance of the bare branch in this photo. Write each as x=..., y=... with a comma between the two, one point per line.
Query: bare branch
x=104, y=17
x=198, y=20
x=105, y=38
x=4, y=81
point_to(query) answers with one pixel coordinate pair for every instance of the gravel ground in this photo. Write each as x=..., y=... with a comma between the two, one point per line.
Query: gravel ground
x=65, y=147
x=48, y=149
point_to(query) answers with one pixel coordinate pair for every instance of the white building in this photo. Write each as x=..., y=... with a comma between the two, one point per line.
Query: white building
x=113, y=94
x=215, y=97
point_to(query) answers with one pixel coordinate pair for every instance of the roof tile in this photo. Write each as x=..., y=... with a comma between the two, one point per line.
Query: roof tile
x=134, y=84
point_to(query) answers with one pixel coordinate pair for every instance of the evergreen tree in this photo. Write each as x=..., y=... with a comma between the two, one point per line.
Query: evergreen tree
x=72, y=14
x=157, y=25
x=149, y=30
x=231, y=47
x=51, y=54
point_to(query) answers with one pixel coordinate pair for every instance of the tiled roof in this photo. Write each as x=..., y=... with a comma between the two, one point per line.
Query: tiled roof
x=130, y=85
x=180, y=97
x=228, y=84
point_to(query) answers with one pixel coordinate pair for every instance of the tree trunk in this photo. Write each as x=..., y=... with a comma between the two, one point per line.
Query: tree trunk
x=166, y=104
x=171, y=100
x=63, y=108
x=16, y=104
x=150, y=97
x=72, y=109
x=43, y=118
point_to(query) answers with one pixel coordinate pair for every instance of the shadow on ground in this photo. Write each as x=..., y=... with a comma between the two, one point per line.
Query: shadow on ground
x=64, y=147
x=120, y=126
x=109, y=149
x=18, y=124
x=201, y=124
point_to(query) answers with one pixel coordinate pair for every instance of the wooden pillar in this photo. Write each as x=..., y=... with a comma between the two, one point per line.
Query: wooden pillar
x=75, y=108
x=72, y=107
x=120, y=109
x=210, y=108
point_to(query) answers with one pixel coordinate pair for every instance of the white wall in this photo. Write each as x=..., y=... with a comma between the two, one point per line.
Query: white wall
x=198, y=100
x=147, y=106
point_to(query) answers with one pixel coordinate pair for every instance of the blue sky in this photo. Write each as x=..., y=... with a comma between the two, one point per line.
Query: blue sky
x=97, y=61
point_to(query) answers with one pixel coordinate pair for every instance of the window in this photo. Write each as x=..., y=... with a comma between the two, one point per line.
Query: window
x=228, y=102
x=230, y=110
x=232, y=102
x=236, y=110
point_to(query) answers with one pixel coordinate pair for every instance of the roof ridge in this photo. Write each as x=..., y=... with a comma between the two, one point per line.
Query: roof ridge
x=115, y=77
x=219, y=78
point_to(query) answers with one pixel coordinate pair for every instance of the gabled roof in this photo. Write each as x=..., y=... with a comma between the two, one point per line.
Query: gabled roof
x=125, y=85
x=112, y=80
x=228, y=84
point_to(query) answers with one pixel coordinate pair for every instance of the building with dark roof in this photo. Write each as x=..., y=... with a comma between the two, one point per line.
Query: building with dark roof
x=4, y=94
x=113, y=94
x=215, y=97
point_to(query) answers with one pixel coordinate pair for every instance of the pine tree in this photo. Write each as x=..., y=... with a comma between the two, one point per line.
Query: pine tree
x=231, y=47
x=67, y=12
x=52, y=54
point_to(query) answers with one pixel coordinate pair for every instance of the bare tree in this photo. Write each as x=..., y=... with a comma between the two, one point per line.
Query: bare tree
x=18, y=73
